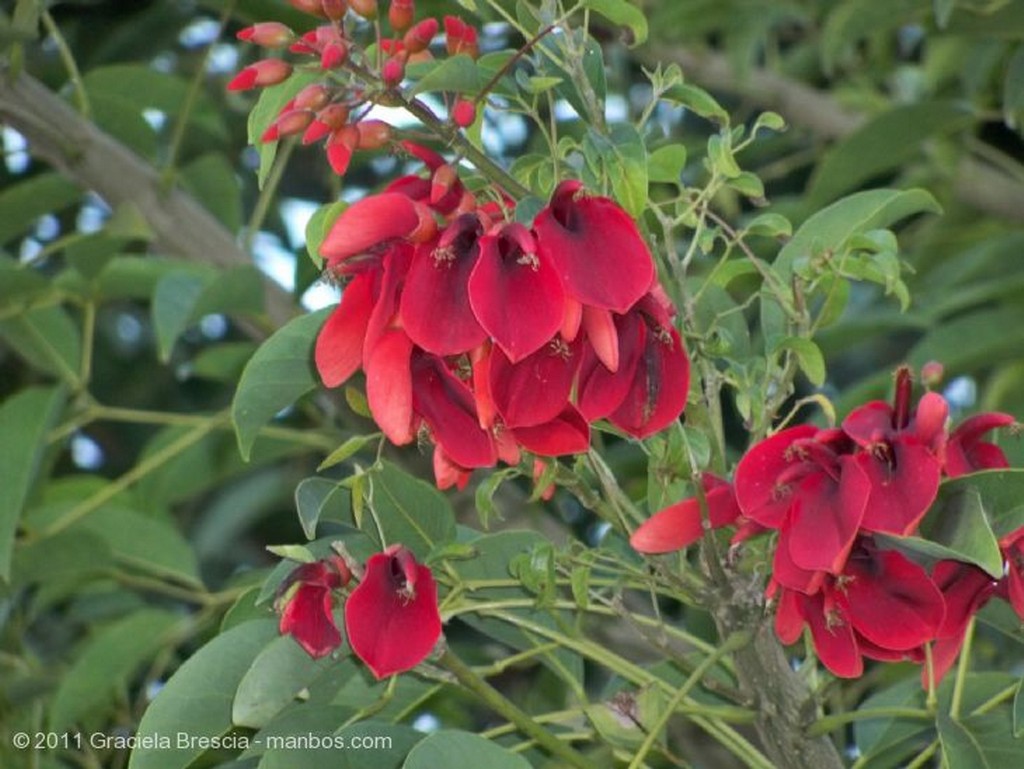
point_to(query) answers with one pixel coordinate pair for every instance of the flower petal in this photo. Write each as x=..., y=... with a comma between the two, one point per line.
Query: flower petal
x=567, y=433
x=681, y=524
x=966, y=452
x=600, y=255
x=660, y=386
x=389, y=389
x=308, y=619
x=599, y=391
x=393, y=625
x=536, y=389
x=367, y=224
x=759, y=493
x=515, y=294
x=904, y=481
x=339, y=346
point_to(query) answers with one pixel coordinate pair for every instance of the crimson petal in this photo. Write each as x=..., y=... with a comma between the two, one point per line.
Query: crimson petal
x=435, y=307
x=567, y=433
x=904, y=482
x=660, y=386
x=600, y=255
x=759, y=493
x=600, y=391
x=368, y=223
x=392, y=621
x=680, y=525
x=834, y=638
x=307, y=618
x=536, y=389
x=339, y=346
x=446, y=404
x=966, y=452
x=515, y=294
x=389, y=391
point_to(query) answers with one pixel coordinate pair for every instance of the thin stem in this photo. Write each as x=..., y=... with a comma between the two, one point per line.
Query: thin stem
x=88, y=340
x=924, y=756
x=507, y=66
x=263, y=202
x=961, y=672
x=826, y=724
x=510, y=711
x=68, y=60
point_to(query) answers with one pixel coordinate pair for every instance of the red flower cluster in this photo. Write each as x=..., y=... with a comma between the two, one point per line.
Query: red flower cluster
x=391, y=617
x=336, y=113
x=826, y=492
x=493, y=336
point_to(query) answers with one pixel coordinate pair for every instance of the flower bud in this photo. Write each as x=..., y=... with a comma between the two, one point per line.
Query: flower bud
x=373, y=134
x=460, y=37
x=401, y=14
x=334, y=9
x=261, y=73
x=932, y=373
x=268, y=34
x=463, y=113
x=340, y=146
x=334, y=55
x=312, y=7
x=314, y=96
x=289, y=122
x=364, y=8
x=393, y=71
x=418, y=38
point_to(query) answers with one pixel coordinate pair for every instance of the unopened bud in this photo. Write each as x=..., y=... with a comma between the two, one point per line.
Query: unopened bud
x=312, y=7
x=373, y=134
x=932, y=373
x=393, y=71
x=401, y=14
x=290, y=122
x=340, y=146
x=365, y=8
x=335, y=9
x=334, y=55
x=463, y=113
x=314, y=96
x=261, y=73
x=418, y=38
x=460, y=37
x=268, y=34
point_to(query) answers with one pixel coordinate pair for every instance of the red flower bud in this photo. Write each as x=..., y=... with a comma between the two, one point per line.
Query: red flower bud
x=418, y=38
x=460, y=37
x=262, y=73
x=290, y=122
x=269, y=34
x=334, y=54
x=314, y=96
x=401, y=15
x=393, y=71
x=340, y=146
x=312, y=7
x=931, y=373
x=334, y=115
x=373, y=134
x=335, y=9
x=365, y=8
x=463, y=113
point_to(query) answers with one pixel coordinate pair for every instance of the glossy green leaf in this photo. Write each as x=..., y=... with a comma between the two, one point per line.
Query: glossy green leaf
x=451, y=748
x=832, y=226
x=699, y=101
x=277, y=375
x=275, y=678
x=457, y=74
x=408, y=511
x=21, y=204
x=381, y=746
x=106, y=662
x=1001, y=493
x=666, y=164
x=25, y=419
x=272, y=99
x=319, y=499
x=980, y=742
x=211, y=180
x=197, y=700
x=318, y=226
x=809, y=357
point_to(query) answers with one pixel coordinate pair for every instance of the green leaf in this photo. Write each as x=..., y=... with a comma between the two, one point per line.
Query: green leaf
x=979, y=742
x=197, y=700
x=829, y=228
x=25, y=420
x=809, y=356
x=1018, y=711
x=408, y=511
x=623, y=13
x=721, y=157
x=1013, y=89
x=275, y=678
x=883, y=144
x=888, y=736
x=278, y=374
x=105, y=664
x=211, y=179
x=24, y=202
x=48, y=339
x=942, y=9
x=458, y=74
x=268, y=106
x=318, y=226
x=666, y=164
x=382, y=746
x=769, y=225
x=451, y=748
x=222, y=362
x=174, y=300
x=1001, y=493
x=697, y=100
x=91, y=254
x=319, y=499
x=621, y=158
x=20, y=285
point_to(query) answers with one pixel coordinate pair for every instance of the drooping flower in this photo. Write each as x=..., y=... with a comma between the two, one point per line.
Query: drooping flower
x=966, y=452
x=306, y=603
x=596, y=247
x=371, y=224
x=391, y=617
x=681, y=524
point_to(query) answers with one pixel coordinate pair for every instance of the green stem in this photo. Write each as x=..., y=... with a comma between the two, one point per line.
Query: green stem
x=68, y=60
x=88, y=338
x=511, y=712
x=961, y=672
x=924, y=756
x=826, y=724
x=259, y=212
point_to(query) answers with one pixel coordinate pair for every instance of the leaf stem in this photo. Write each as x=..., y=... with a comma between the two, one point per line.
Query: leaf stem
x=68, y=60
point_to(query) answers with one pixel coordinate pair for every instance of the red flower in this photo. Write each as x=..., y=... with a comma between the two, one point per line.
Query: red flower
x=567, y=433
x=391, y=617
x=680, y=525
x=596, y=247
x=339, y=346
x=536, y=389
x=306, y=601
x=965, y=589
x=516, y=295
x=967, y=453
x=371, y=225
x=1012, y=585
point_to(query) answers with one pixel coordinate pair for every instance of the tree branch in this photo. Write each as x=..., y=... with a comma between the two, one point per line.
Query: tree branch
x=976, y=183
x=57, y=134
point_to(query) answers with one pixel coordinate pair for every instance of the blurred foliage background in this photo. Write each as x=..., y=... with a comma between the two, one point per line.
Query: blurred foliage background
x=907, y=93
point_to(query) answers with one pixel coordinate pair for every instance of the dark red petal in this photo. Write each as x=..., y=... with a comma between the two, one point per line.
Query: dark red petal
x=395, y=262
x=367, y=224
x=967, y=453
x=389, y=387
x=307, y=618
x=901, y=491
x=446, y=404
x=834, y=639
x=599, y=392
x=392, y=627
x=789, y=618
x=447, y=473
x=339, y=346
x=536, y=389
x=891, y=601
x=435, y=307
x=825, y=517
x=681, y=524
x=600, y=255
x=660, y=386
x=788, y=574
x=965, y=589
x=567, y=433
x=516, y=295
x=758, y=490
x=869, y=423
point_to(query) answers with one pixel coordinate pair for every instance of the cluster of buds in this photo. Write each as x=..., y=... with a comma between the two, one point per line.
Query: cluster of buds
x=828, y=493
x=487, y=336
x=337, y=114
